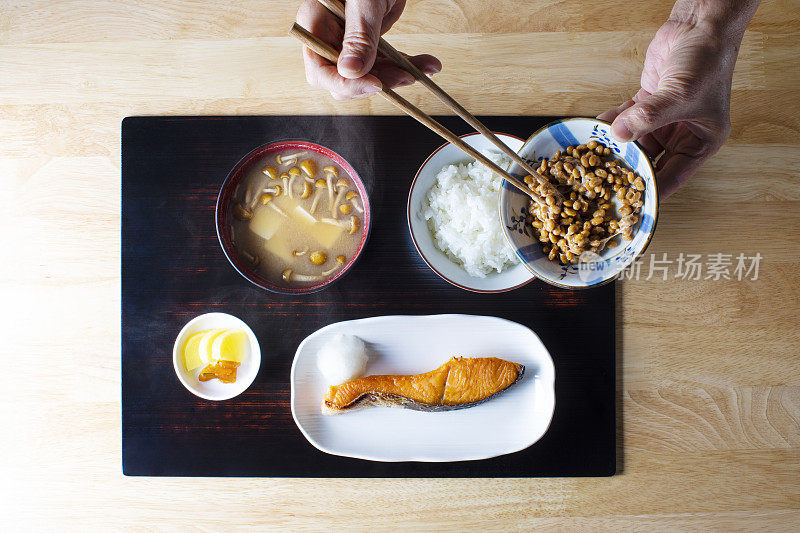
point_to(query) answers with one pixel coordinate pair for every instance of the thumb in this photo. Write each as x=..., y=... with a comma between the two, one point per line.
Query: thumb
x=362, y=29
x=650, y=112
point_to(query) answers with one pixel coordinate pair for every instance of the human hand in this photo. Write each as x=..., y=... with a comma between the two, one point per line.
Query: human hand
x=365, y=22
x=682, y=110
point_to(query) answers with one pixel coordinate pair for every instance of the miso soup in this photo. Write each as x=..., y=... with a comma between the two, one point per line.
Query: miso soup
x=297, y=218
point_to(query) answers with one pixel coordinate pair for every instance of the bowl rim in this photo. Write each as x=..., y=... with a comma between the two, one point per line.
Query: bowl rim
x=649, y=161
x=245, y=162
x=255, y=351
x=414, y=240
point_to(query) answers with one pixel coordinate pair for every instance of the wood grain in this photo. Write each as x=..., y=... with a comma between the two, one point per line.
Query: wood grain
x=709, y=374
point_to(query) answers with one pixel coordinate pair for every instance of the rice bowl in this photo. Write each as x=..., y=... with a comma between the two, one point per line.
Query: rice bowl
x=443, y=265
x=463, y=215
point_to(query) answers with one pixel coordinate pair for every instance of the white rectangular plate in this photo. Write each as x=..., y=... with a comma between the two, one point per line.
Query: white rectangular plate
x=508, y=423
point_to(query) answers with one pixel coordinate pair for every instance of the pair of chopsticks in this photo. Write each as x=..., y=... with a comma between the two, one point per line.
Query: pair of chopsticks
x=331, y=54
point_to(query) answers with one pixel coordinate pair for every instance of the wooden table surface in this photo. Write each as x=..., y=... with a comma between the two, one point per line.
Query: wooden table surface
x=709, y=381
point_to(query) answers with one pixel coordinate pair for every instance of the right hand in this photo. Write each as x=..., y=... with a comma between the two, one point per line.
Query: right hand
x=366, y=21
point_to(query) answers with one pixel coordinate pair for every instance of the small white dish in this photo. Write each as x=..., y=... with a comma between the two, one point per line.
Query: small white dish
x=510, y=278
x=511, y=422
x=214, y=389
x=514, y=207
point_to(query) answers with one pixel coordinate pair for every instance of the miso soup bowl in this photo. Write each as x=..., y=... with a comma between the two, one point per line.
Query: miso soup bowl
x=594, y=269
x=224, y=213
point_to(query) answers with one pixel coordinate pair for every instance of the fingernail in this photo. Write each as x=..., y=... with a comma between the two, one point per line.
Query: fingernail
x=370, y=89
x=404, y=83
x=353, y=64
x=432, y=70
x=621, y=132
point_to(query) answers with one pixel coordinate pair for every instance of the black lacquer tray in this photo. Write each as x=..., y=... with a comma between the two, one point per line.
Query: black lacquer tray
x=173, y=269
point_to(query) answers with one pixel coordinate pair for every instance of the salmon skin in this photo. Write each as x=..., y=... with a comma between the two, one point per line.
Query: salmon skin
x=459, y=383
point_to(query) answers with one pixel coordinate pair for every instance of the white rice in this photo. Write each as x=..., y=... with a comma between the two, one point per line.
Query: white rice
x=463, y=215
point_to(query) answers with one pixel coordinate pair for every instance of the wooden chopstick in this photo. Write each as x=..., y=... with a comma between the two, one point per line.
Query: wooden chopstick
x=331, y=54
x=337, y=8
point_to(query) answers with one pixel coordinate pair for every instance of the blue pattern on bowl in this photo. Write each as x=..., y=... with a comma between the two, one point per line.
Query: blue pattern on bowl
x=532, y=252
x=646, y=223
x=562, y=135
x=514, y=205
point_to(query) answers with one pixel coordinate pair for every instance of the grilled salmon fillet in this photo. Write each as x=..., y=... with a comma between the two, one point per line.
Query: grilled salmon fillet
x=459, y=383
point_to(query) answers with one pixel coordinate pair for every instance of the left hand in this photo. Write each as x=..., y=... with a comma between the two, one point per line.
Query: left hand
x=682, y=110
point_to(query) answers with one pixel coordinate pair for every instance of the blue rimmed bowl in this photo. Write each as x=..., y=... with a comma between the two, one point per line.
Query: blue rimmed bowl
x=514, y=207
